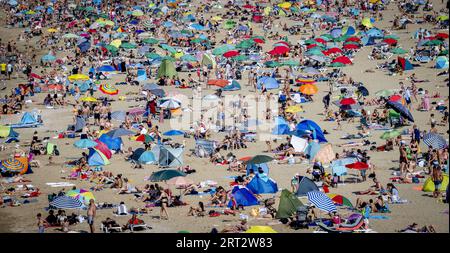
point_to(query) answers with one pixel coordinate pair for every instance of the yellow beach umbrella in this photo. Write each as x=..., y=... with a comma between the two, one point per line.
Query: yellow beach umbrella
x=285, y=5
x=51, y=30
x=260, y=229
x=178, y=55
x=188, y=13
x=77, y=77
x=89, y=99
x=116, y=43
x=216, y=18
x=294, y=109
x=367, y=23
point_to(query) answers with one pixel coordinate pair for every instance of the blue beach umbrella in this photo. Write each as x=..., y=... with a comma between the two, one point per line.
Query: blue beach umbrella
x=85, y=143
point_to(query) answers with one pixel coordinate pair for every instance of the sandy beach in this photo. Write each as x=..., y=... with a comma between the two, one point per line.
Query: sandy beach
x=421, y=208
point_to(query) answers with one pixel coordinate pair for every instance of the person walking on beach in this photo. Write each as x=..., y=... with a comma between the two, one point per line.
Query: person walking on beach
x=164, y=198
x=91, y=212
x=41, y=223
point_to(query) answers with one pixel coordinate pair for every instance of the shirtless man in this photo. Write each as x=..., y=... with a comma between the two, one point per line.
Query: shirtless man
x=91, y=212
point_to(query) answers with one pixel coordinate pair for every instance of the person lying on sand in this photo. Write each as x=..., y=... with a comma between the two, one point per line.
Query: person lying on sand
x=239, y=228
x=413, y=228
x=197, y=211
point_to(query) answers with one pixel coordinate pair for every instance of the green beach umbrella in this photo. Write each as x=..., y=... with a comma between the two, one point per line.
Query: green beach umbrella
x=229, y=24
x=241, y=58
x=290, y=63
x=153, y=56
x=314, y=51
x=167, y=68
x=390, y=134
x=137, y=13
x=70, y=36
x=188, y=58
x=168, y=48
x=245, y=44
x=433, y=43
x=111, y=48
x=259, y=159
x=150, y=41
x=310, y=41
x=128, y=45
x=337, y=65
x=392, y=36
x=399, y=51
x=445, y=52
x=223, y=49
x=272, y=64
x=164, y=175
x=326, y=37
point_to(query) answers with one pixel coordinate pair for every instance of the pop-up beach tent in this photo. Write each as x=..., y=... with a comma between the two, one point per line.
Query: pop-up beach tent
x=306, y=185
x=288, y=205
x=168, y=156
x=112, y=143
x=261, y=184
x=8, y=132
x=167, y=68
x=97, y=158
x=313, y=127
x=242, y=196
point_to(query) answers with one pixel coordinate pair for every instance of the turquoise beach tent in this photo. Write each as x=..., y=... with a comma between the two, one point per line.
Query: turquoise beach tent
x=147, y=157
x=441, y=62
x=233, y=86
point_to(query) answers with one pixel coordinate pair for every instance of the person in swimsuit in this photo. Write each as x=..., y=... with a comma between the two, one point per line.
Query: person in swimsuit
x=437, y=178
x=164, y=198
x=91, y=212
x=41, y=223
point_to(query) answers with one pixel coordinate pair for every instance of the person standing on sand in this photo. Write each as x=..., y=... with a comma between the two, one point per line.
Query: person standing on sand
x=91, y=212
x=41, y=223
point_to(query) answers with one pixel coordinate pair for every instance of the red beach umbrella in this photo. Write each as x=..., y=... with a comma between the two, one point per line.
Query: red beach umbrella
x=348, y=101
x=350, y=47
x=395, y=98
x=441, y=36
x=320, y=40
x=279, y=50
x=357, y=166
x=231, y=53
x=390, y=41
x=258, y=40
x=342, y=59
x=354, y=39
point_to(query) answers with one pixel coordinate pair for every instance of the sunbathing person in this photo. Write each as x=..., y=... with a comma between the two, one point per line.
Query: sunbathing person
x=128, y=188
x=110, y=223
x=239, y=228
x=413, y=228
x=133, y=221
x=374, y=189
x=197, y=211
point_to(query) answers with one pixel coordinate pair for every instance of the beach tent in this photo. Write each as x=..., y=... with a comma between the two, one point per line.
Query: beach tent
x=368, y=41
x=299, y=144
x=209, y=60
x=441, y=62
x=309, y=125
x=311, y=150
x=234, y=85
x=325, y=154
x=204, y=148
x=288, y=205
x=281, y=126
x=268, y=82
x=141, y=75
x=103, y=149
x=405, y=64
x=7, y=131
x=167, y=69
x=306, y=185
x=112, y=143
x=168, y=156
x=147, y=157
x=428, y=185
x=97, y=158
x=137, y=154
x=261, y=184
x=243, y=196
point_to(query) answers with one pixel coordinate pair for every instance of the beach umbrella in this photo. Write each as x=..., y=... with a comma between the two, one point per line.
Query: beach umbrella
x=173, y=133
x=12, y=2
x=118, y=132
x=241, y=58
x=116, y=43
x=180, y=181
x=392, y=36
x=220, y=83
x=164, y=175
x=260, y=229
x=435, y=140
x=272, y=64
x=342, y=59
x=170, y=104
x=82, y=195
x=384, y=93
x=398, y=51
x=229, y=24
x=106, y=68
x=137, y=13
x=337, y=65
x=357, y=166
x=188, y=58
x=77, y=77
x=222, y=49
x=118, y=115
x=279, y=50
x=321, y=201
x=231, y=53
x=245, y=44
x=311, y=70
x=108, y=89
x=395, y=98
x=145, y=138
x=350, y=47
x=390, y=134
x=153, y=56
x=363, y=90
x=258, y=40
x=340, y=200
x=12, y=165
x=390, y=41
x=85, y=143
x=48, y=58
x=309, y=89
x=404, y=112
x=66, y=202
x=168, y=48
x=197, y=27
x=260, y=159
x=89, y=99
x=433, y=43
x=127, y=45
x=347, y=101
x=151, y=41
x=442, y=36
x=442, y=18
x=442, y=62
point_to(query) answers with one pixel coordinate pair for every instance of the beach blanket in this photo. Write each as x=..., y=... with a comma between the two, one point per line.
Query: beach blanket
x=60, y=184
x=379, y=217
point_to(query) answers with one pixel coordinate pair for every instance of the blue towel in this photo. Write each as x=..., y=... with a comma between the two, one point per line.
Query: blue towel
x=379, y=217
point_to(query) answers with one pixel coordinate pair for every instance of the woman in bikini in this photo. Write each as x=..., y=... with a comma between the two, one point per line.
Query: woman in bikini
x=164, y=198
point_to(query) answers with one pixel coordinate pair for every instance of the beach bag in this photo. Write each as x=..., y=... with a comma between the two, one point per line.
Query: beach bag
x=56, y=152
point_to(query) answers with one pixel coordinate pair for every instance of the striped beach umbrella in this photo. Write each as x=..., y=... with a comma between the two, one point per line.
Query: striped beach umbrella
x=66, y=202
x=321, y=201
x=12, y=165
x=435, y=140
x=108, y=89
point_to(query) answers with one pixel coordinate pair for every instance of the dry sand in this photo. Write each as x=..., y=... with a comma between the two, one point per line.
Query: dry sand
x=421, y=209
